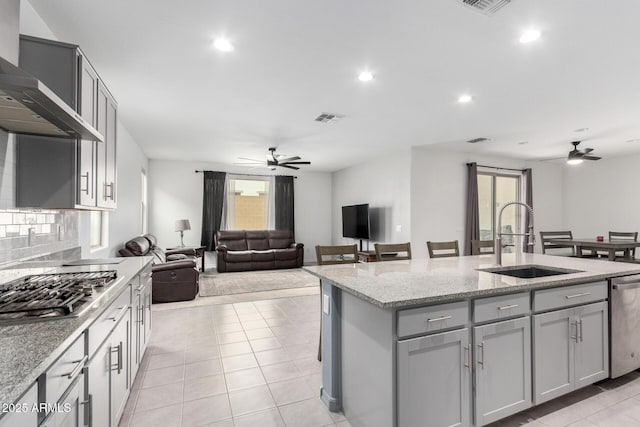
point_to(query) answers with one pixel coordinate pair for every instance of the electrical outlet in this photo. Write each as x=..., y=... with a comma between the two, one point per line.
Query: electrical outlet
x=326, y=304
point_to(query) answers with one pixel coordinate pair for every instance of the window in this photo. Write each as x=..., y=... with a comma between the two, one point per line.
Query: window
x=248, y=204
x=143, y=202
x=99, y=224
x=495, y=191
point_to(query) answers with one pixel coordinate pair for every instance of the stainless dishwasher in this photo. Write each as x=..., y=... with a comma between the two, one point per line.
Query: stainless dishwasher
x=624, y=295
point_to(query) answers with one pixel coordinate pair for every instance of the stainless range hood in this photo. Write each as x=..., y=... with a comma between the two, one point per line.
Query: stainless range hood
x=29, y=107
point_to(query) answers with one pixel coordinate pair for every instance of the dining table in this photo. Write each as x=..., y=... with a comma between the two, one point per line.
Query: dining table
x=593, y=245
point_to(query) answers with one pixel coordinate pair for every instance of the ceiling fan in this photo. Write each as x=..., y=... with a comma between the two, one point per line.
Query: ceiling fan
x=276, y=160
x=576, y=156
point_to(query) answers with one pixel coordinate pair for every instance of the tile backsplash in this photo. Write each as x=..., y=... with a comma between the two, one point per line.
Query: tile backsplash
x=30, y=233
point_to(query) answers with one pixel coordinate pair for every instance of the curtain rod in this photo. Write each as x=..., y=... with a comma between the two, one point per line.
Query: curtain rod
x=495, y=167
x=244, y=174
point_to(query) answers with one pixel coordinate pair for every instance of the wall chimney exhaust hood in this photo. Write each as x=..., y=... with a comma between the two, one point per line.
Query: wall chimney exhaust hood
x=29, y=107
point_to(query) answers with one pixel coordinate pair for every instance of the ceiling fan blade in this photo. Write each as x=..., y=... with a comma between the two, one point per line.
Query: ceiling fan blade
x=587, y=150
x=551, y=158
x=591, y=157
x=288, y=159
x=295, y=163
x=253, y=160
x=288, y=167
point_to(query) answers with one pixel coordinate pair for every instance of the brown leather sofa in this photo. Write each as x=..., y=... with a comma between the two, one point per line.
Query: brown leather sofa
x=245, y=250
x=174, y=273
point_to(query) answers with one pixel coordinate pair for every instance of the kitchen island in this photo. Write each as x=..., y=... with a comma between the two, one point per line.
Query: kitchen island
x=437, y=342
x=34, y=355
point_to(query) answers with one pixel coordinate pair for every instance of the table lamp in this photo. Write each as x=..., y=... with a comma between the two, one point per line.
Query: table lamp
x=181, y=226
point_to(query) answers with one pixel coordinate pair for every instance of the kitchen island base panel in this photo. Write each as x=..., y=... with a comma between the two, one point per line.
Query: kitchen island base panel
x=330, y=312
x=368, y=358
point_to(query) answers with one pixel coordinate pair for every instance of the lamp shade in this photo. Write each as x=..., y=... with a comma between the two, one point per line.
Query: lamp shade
x=182, y=225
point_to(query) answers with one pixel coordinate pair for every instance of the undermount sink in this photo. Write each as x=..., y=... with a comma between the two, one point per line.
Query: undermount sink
x=528, y=271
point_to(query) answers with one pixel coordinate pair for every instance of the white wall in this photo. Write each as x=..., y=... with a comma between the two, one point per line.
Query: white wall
x=384, y=184
x=602, y=196
x=439, y=188
x=175, y=192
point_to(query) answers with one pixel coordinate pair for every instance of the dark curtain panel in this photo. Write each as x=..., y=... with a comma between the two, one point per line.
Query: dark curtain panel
x=472, y=225
x=212, y=201
x=284, y=203
x=528, y=199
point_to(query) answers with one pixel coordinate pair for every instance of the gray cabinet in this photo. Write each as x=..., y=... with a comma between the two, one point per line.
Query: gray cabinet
x=141, y=328
x=87, y=149
x=72, y=404
x=23, y=414
x=570, y=350
x=434, y=380
x=502, y=362
x=106, y=151
x=67, y=173
x=99, y=370
x=119, y=365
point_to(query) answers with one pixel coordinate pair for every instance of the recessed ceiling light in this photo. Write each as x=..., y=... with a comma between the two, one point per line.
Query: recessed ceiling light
x=463, y=99
x=523, y=142
x=574, y=161
x=222, y=44
x=529, y=36
x=581, y=130
x=365, y=76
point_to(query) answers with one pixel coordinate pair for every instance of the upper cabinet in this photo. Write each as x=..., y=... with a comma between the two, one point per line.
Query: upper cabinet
x=69, y=173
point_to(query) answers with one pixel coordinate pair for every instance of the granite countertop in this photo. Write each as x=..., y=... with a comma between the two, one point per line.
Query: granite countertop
x=404, y=283
x=28, y=349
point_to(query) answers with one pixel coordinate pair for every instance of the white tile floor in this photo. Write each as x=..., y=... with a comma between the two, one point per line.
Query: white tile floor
x=241, y=364
x=253, y=363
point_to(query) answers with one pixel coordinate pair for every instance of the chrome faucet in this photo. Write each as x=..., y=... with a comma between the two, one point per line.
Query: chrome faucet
x=531, y=236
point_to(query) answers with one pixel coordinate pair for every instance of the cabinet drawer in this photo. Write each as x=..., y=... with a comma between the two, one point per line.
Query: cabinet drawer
x=145, y=276
x=65, y=370
x=100, y=329
x=500, y=307
x=549, y=299
x=424, y=320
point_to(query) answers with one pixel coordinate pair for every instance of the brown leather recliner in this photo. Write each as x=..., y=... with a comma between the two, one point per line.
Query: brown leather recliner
x=174, y=274
x=257, y=250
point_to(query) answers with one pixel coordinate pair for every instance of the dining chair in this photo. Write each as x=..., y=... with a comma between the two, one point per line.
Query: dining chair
x=328, y=255
x=392, y=251
x=546, y=236
x=482, y=247
x=450, y=249
x=624, y=235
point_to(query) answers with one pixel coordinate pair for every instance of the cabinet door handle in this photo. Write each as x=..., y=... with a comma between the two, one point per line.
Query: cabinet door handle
x=111, y=192
x=439, y=319
x=467, y=358
x=118, y=350
x=579, y=322
x=574, y=337
x=508, y=307
x=584, y=294
x=82, y=177
x=481, y=362
x=120, y=314
x=76, y=371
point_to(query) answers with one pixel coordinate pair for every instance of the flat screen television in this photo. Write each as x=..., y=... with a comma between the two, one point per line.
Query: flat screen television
x=355, y=221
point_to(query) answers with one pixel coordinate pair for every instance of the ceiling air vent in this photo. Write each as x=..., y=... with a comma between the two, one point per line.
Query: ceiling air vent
x=488, y=7
x=328, y=118
x=476, y=140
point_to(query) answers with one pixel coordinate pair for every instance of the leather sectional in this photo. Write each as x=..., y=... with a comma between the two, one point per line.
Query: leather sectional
x=244, y=250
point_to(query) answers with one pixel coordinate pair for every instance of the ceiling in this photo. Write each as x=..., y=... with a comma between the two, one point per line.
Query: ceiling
x=181, y=99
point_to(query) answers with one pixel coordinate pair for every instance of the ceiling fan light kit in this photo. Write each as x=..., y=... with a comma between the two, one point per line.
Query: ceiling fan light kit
x=577, y=156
